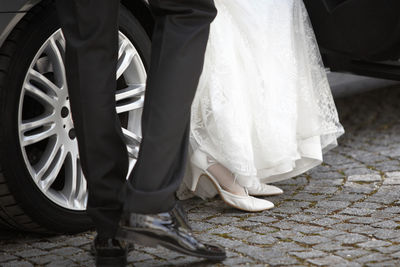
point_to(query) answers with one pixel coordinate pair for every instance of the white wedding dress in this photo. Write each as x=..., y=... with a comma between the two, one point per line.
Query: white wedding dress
x=263, y=108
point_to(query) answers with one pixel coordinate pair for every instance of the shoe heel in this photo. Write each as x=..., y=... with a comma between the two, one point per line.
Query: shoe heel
x=196, y=174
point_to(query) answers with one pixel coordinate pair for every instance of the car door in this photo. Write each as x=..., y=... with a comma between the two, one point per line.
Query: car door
x=360, y=36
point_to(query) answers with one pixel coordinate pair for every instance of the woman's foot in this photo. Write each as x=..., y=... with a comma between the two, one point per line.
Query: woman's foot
x=231, y=192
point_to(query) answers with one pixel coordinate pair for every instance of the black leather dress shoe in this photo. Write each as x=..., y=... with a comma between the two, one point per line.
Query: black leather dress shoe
x=109, y=252
x=170, y=230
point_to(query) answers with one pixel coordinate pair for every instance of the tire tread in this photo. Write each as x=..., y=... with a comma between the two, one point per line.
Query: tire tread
x=11, y=214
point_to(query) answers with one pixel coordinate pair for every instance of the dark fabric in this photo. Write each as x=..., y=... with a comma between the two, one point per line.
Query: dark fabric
x=179, y=42
x=180, y=37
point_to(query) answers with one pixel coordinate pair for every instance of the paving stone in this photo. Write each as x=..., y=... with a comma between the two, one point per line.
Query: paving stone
x=264, y=230
x=308, y=254
x=137, y=256
x=263, y=219
x=20, y=263
x=332, y=233
x=351, y=253
x=347, y=196
x=345, y=226
x=390, y=249
x=305, y=218
x=201, y=226
x=365, y=229
x=319, y=211
x=30, y=253
x=351, y=238
x=310, y=240
x=284, y=225
x=284, y=234
x=13, y=247
x=4, y=257
x=225, y=242
x=365, y=220
x=367, y=205
x=386, y=224
x=241, y=234
x=246, y=225
x=222, y=229
x=325, y=221
x=392, y=210
x=262, y=240
x=321, y=189
x=235, y=261
x=385, y=199
x=386, y=234
x=282, y=261
x=66, y=251
x=288, y=246
x=261, y=254
x=197, y=216
x=308, y=229
x=392, y=178
x=372, y=258
x=78, y=241
x=287, y=210
x=364, y=178
x=46, y=245
x=46, y=259
x=223, y=220
x=359, y=172
x=329, y=260
x=308, y=197
x=357, y=211
x=383, y=263
x=374, y=244
x=296, y=204
x=333, y=204
x=329, y=246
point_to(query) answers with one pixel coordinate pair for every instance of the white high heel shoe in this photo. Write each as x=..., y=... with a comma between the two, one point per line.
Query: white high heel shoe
x=260, y=189
x=201, y=163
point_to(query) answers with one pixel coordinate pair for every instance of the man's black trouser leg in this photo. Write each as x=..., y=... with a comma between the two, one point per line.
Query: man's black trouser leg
x=91, y=30
x=179, y=42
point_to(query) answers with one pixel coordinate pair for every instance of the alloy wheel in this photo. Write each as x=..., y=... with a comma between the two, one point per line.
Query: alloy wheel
x=45, y=126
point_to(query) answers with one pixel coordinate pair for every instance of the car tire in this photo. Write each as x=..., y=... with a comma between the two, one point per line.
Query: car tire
x=22, y=205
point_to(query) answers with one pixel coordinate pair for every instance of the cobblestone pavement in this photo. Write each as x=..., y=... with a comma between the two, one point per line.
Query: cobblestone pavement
x=343, y=213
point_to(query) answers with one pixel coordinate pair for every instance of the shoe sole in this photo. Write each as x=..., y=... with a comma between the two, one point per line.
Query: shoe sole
x=217, y=187
x=111, y=261
x=147, y=241
x=265, y=195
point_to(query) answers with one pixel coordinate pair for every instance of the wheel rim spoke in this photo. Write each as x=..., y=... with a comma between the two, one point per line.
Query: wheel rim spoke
x=54, y=170
x=43, y=133
x=56, y=50
x=81, y=192
x=126, y=54
x=46, y=162
x=136, y=90
x=40, y=95
x=132, y=142
x=130, y=98
x=41, y=121
x=51, y=88
x=71, y=185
